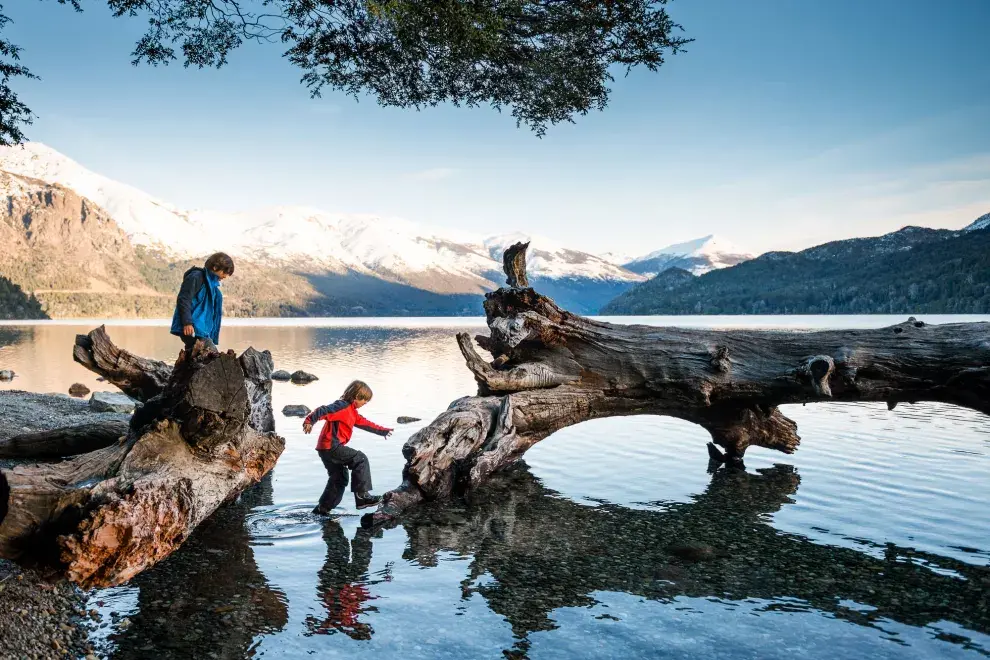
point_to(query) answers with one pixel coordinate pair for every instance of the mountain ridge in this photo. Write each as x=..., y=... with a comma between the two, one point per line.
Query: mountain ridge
x=912, y=270
x=292, y=260
x=698, y=256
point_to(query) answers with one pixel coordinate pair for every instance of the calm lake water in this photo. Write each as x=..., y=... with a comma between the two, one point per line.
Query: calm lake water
x=873, y=540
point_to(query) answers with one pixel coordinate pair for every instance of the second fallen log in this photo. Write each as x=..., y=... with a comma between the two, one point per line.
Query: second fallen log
x=66, y=441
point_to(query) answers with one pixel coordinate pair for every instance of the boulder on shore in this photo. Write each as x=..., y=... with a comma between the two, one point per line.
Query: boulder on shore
x=407, y=420
x=78, y=390
x=281, y=375
x=302, y=378
x=297, y=410
x=6, y=374
x=112, y=402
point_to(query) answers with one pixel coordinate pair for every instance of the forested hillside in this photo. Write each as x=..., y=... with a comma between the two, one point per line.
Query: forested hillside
x=914, y=270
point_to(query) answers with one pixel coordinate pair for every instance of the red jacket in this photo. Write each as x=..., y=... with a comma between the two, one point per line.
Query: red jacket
x=341, y=417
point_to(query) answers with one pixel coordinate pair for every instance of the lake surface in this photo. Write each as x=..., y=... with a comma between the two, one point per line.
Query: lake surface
x=873, y=540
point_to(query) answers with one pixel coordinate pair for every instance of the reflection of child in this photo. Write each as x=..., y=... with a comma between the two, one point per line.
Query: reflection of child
x=199, y=305
x=341, y=417
x=343, y=584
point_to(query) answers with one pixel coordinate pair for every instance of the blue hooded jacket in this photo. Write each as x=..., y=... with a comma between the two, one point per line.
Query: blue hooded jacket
x=199, y=304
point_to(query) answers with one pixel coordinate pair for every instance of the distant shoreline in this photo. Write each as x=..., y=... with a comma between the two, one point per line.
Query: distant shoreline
x=778, y=321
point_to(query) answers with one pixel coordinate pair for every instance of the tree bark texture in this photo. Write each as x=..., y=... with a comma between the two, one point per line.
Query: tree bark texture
x=202, y=436
x=551, y=369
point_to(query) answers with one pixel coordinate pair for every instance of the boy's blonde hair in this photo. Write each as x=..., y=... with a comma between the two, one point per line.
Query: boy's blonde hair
x=358, y=390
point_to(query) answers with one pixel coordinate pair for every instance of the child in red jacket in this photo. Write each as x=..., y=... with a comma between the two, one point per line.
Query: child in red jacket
x=341, y=417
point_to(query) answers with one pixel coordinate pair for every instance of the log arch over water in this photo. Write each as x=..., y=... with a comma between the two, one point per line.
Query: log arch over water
x=551, y=369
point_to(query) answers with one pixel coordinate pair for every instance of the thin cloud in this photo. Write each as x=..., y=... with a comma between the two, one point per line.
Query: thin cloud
x=432, y=174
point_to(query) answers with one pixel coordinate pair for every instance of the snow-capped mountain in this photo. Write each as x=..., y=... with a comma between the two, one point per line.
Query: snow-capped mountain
x=550, y=260
x=980, y=223
x=366, y=244
x=317, y=242
x=698, y=256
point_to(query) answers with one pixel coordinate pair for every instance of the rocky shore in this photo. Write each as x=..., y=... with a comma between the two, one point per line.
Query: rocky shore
x=40, y=618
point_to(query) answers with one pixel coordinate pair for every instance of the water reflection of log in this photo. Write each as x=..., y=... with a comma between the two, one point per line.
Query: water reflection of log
x=210, y=596
x=343, y=584
x=545, y=552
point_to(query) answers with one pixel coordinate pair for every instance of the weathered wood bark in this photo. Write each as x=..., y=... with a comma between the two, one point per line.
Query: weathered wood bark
x=137, y=377
x=211, y=596
x=67, y=441
x=553, y=369
x=201, y=437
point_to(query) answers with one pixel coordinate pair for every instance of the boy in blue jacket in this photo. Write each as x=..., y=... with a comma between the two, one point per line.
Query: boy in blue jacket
x=199, y=305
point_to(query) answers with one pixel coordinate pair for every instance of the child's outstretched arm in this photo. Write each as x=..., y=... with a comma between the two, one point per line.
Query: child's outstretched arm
x=371, y=427
x=327, y=412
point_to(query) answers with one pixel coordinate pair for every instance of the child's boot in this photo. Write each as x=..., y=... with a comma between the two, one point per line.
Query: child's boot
x=366, y=499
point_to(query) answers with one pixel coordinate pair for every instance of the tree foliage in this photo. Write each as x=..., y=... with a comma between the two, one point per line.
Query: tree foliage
x=546, y=60
x=14, y=115
x=16, y=304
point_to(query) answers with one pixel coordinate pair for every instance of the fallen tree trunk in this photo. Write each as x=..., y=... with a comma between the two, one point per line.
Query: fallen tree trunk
x=67, y=441
x=552, y=369
x=198, y=441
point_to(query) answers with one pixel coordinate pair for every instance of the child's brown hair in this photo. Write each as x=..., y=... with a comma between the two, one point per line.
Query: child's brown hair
x=358, y=390
x=220, y=262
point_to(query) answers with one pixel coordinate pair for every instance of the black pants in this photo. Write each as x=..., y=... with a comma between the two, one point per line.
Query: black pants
x=338, y=461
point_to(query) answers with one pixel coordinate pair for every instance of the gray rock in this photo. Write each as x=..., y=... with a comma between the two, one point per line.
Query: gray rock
x=7, y=374
x=78, y=390
x=281, y=375
x=295, y=411
x=692, y=551
x=407, y=420
x=112, y=402
x=301, y=378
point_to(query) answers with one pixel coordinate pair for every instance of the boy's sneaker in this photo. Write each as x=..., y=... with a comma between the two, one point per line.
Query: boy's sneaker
x=320, y=511
x=364, y=500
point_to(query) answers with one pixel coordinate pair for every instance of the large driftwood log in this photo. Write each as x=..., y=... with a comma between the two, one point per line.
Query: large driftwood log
x=203, y=435
x=67, y=441
x=552, y=369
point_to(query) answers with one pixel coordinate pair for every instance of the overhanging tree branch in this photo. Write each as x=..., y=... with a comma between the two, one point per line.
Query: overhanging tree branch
x=546, y=61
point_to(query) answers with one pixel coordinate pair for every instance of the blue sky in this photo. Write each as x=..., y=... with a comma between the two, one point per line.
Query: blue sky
x=785, y=124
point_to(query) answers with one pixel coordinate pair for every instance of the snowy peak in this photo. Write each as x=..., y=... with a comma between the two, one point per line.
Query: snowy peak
x=545, y=258
x=146, y=220
x=697, y=256
x=981, y=223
